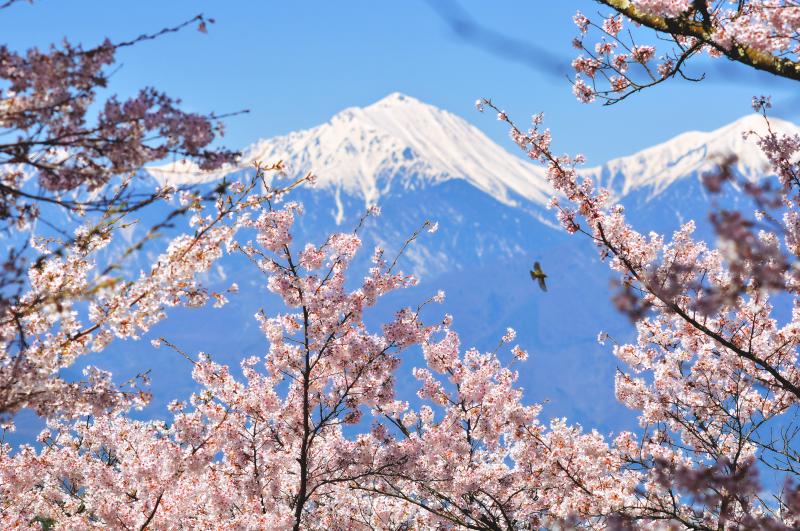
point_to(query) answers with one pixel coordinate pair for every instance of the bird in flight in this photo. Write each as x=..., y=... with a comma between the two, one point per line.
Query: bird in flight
x=538, y=275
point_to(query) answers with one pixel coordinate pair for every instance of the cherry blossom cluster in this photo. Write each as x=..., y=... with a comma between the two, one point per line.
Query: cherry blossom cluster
x=44, y=105
x=480, y=459
x=313, y=435
x=75, y=305
x=63, y=144
x=613, y=65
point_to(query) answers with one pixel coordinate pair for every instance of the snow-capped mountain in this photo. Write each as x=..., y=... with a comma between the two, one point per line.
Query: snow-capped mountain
x=397, y=142
x=689, y=155
x=402, y=144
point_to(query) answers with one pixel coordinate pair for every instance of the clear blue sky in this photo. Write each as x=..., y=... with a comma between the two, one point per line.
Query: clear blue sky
x=294, y=64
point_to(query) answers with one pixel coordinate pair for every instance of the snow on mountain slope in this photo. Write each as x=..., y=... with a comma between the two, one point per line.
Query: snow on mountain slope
x=396, y=142
x=690, y=154
x=400, y=143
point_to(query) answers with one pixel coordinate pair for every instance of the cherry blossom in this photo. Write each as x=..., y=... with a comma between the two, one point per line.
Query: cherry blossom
x=73, y=150
x=761, y=34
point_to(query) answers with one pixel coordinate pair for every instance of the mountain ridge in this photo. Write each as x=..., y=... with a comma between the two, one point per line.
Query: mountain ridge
x=690, y=153
x=400, y=143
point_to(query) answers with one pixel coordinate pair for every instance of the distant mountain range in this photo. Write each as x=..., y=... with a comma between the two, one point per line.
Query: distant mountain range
x=400, y=143
x=419, y=162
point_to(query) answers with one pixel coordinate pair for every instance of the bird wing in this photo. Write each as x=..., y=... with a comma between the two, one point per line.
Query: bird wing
x=542, y=284
x=537, y=268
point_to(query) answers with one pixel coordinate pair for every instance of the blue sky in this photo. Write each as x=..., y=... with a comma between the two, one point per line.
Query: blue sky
x=294, y=64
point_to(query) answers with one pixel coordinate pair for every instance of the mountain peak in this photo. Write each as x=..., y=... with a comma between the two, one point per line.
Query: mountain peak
x=400, y=142
x=691, y=154
x=396, y=103
x=396, y=98
x=756, y=122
